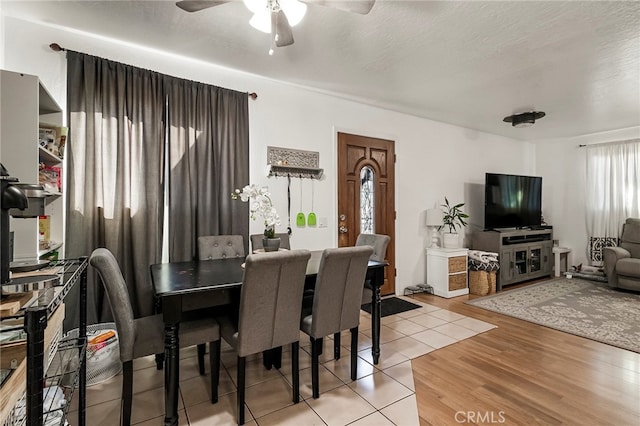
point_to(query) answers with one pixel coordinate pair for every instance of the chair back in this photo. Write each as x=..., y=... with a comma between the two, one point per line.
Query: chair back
x=630, y=239
x=220, y=247
x=271, y=300
x=118, y=295
x=379, y=243
x=338, y=291
x=256, y=241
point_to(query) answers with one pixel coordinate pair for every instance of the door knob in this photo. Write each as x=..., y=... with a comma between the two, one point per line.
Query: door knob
x=343, y=229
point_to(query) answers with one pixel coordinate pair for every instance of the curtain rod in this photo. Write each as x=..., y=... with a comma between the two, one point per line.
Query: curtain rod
x=610, y=143
x=57, y=48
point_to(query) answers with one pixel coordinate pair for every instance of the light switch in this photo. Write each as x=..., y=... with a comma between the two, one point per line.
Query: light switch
x=322, y=222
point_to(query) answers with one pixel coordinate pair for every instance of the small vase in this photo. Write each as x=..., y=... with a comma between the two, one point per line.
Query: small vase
x=271, y=244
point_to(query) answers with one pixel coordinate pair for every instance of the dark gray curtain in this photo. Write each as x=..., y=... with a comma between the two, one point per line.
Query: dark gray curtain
x=115, y=163
x=116, y=168
x=208, y=158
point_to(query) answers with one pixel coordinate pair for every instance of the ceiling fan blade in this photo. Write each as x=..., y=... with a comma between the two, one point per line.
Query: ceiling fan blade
x=196, y=5
x=356, y=6
x=280, y=29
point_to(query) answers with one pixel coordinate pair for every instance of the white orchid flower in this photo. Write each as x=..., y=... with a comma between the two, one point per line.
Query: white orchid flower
x=260, y=206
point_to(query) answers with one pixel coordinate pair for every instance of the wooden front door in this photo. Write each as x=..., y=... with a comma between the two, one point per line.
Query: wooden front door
x=366, y=178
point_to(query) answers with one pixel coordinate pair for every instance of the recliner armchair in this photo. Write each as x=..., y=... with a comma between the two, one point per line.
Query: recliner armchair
x=622, y=263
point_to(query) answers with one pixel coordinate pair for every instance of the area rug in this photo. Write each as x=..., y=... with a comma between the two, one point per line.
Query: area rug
x=391, y=305
x=575, y=306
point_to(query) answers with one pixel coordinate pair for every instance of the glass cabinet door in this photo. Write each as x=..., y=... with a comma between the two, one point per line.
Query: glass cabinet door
x=506, y=272
x=535, y=260
x=520, y=257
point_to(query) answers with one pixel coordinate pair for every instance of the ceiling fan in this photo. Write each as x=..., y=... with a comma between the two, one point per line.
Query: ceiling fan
x=278, y=16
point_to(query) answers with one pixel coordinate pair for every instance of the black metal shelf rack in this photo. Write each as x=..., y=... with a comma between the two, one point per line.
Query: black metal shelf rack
x=70, y=352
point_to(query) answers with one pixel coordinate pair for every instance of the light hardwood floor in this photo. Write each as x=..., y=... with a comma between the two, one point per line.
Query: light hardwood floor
x=524, y=374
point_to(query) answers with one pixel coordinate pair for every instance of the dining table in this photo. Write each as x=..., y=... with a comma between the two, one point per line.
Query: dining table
x=174, y=280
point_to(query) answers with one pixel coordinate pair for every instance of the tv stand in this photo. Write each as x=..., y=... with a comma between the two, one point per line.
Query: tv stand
x=525, y=254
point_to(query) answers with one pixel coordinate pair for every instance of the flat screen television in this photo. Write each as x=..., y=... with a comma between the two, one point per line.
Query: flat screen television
x=512, y=201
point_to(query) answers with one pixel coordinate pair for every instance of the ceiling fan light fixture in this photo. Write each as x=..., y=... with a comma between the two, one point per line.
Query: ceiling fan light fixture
x=294, y=9
x=526, y=119
x=256, y=6
x=261, y=21
x=524, y=123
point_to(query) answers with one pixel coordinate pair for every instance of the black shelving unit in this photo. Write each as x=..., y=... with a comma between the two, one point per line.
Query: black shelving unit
x=70, y=352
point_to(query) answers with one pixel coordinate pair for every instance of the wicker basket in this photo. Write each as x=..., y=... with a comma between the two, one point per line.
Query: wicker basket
x=482, y=283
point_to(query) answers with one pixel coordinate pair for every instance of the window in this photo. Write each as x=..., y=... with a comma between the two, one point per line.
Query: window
x=367, y=201
x=613, y=190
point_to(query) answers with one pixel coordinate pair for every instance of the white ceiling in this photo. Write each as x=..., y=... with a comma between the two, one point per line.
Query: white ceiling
x=466, y=63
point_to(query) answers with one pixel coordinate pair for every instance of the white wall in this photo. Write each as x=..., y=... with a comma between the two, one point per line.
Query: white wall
x=562, y=165
x=433, y=159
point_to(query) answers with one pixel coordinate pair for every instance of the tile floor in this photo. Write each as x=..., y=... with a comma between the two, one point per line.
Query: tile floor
x=382, y=395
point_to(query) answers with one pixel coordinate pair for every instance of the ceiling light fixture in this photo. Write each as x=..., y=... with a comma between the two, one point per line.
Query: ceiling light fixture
x=526, y=119
x=261, y=20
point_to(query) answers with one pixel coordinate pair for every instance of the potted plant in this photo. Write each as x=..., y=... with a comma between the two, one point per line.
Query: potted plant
x=453, y=217
x=263, y=206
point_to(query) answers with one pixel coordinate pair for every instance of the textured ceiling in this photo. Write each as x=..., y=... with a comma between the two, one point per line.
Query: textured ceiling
x=465, y=63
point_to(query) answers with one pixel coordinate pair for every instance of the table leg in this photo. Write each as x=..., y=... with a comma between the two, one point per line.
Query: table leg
x=375, y=323
x=171, y=373
x=556, y=265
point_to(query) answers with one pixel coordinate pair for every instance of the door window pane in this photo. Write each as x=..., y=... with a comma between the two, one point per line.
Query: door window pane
x=535, y=260
x=367, y=201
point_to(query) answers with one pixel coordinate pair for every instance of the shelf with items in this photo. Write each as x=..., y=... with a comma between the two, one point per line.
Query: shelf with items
x=52, y=247
x=50, y=173
x=27, y=107
x=40, y=352
x=48, y=247
x=297, y=172
x=289, y=162
x=47, y=157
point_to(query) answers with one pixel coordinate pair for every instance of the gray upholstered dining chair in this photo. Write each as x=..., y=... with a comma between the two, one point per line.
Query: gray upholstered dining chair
x=256, y=241
x=336, y=303
x=269, y=313
x=220, y=246
x=144, y=336
x=379, y=243
x=213, y=247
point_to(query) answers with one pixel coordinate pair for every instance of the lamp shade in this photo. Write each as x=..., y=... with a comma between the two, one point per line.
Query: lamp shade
x=434, y=217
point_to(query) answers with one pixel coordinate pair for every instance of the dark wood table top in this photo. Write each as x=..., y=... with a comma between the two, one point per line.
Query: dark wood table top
x=189, y=277
x=204, y=275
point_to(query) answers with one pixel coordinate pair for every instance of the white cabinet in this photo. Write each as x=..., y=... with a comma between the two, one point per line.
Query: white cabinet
x=447, y=271
x=26, y=106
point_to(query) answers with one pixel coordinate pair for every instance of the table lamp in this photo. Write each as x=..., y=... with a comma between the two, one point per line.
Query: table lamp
x=434, y=220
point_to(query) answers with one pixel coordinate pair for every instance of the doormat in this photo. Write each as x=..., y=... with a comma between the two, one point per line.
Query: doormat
x=391, y=306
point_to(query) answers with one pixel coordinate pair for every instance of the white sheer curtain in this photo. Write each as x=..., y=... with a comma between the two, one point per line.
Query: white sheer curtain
x=613, y=187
